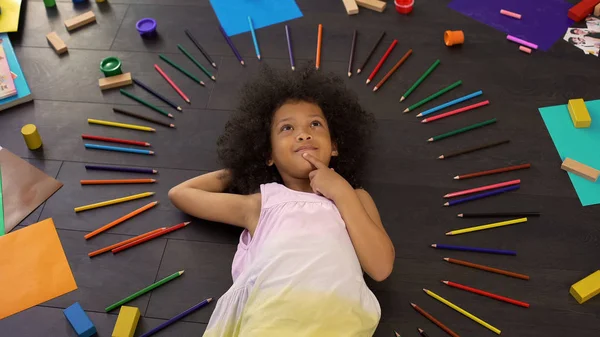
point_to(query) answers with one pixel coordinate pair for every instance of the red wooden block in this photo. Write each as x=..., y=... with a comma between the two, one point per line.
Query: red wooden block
x=582, y=9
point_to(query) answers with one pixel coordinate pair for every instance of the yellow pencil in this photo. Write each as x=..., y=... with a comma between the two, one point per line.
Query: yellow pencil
x=488, y=226
x=462, y=311
x=112, y=202
x=121, y=125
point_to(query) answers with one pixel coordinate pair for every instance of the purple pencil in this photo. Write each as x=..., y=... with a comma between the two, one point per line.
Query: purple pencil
x=121, y=169
x=232, y=46
x=289, y=41
x=178, y=317
x=483, y=195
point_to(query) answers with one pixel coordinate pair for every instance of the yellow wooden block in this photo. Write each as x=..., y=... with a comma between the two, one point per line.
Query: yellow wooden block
x=375, y=5
x=579, y=113
x=80, y=20
x=580, y=169
x=586, y=288
x=126, y=322
x=115, y=81
x=351, y=7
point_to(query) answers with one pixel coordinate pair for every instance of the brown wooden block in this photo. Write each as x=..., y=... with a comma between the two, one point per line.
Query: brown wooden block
x=580, y=169
x=375, y=5
x=57, y=43
x=80, y=20
x=115, y=81
x=351, y=7
x=597, y=10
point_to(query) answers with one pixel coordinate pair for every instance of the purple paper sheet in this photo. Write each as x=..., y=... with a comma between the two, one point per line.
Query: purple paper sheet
x=543, y=21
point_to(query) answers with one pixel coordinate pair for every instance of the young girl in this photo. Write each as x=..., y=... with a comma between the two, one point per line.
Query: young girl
x=293, y=155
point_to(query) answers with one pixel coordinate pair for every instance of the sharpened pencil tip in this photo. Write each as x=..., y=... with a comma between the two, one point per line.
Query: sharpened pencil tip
x=430, y=140
x=445, y=282
x=424, y=121
x=214, y=65
x=425, y=290
x=420, y=330
x=179, y=108
x=402, y=98
x=441, y=157
x=202, y=84
x=349, y=74
x=459, y=215
x=242, y=63
x=152, y=193
x=154, y=171
x=397, y=334
x=449, y=234
x=293, y=68
x=151, y=152
x=420, y=115
x=446, y=195
x=181, y=272
x=456, y=178
x=209, y=299
x=446, y=259
x=446, y=204
x=434, y=245
x=358, y=71
x=213, y=78
x=406, y=110
x=187, y=223
x=368, y=81
x=154, y=180
x=375, y=89
x=258, y=57
x=188, y=101
x=170, y=115
x=172, y=125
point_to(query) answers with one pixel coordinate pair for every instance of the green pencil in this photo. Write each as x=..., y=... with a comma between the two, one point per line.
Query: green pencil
x=180, y=68
x=151, y=106
x=196, y=62
x=461, y=130
x=143, y=291
x=421, y=79
x=437, y=94
x=2, y=230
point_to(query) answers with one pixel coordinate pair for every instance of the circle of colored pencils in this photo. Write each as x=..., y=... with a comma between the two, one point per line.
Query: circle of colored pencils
x=114, y=140
x=422, y=332
x=157, y=95
x=371, y=53
x=171, y=83
x=178, y=317
x=120, y=125
x=486, y=268
x=232, y=46
x=197, y=44
x=488, y=226
x=121, y=169
x=143, y=102
x=352, y=48
x=434, y=321
x=473, y=149
x=486, y=294
x=198, y=64
x=474, y=249
x=454, y=112
x=393, y=70
x=181, y=69
x=108, y=248
x=149, y=237
x=113, y=201
x=497, y=214
x=452, y=102
x=483, y=188
x=117, y=181
x=117, y=149
x=462, y=311
x=494, y=171
x=421, y=79
x=120, y=220
x=382, y=61
x=254, y=40
x=319, y=43
x=482, y=195
x=462, y=130
x=433, y=96
x=289, y=44
x=142, y=117
x=143, y=291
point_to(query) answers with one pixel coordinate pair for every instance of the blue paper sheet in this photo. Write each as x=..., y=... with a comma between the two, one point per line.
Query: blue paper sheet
x=578, y=144
x=233, y=14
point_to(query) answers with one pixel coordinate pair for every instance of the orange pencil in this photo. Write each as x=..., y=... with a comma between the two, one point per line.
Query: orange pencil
x=149, y=237
x=319, y=41
x=116, y=181
x=124, y=242
x=119, y=220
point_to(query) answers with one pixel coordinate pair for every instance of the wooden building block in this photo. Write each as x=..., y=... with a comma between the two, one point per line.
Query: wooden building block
x=579, y=113
x=586, y=288
x=80, y=20
x=79, y=320
x=351, y=7
x=580, y=169
x=57, y=43
x=115, y=81
x=375, y=5
x=126, y=322
x=582, y=9
x=597, y=10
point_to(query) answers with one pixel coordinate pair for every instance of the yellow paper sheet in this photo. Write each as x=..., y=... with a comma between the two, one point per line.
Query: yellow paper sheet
x=9, y=19
x=33, y=268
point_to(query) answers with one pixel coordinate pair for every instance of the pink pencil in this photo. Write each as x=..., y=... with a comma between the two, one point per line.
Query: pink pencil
x=454, y=112
x=483, y=188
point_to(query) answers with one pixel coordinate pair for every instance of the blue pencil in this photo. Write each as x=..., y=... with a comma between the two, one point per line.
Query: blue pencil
x=483, y=195
x=447, y=104
x=178, y=317
x=117, y=149
x=254, y=38
x=473, y=249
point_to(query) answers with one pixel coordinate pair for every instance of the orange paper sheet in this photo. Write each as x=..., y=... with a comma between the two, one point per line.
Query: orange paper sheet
x=33, y=268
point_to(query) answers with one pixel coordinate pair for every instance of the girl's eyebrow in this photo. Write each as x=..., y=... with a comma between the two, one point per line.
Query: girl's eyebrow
x=292, y=118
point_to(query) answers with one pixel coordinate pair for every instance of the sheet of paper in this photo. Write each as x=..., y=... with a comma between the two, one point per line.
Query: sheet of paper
x=9, y=19
x=34, y=268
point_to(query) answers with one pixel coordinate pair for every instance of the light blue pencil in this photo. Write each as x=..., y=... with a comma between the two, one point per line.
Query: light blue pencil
x=447, y=104
x=254, y=38
x=117, y=149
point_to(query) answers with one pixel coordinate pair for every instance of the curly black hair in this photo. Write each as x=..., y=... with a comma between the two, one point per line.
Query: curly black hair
x=245, y=145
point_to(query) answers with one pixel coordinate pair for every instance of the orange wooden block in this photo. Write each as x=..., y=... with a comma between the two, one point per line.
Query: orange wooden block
x=80, y=20
x=57, y=43
x=115, y=81
x=580, y=169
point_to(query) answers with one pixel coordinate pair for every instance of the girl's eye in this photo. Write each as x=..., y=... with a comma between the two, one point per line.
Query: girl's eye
x=315, y=123
x=286, y=128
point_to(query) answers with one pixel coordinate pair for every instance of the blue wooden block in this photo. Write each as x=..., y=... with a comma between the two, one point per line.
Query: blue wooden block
x=80, y=322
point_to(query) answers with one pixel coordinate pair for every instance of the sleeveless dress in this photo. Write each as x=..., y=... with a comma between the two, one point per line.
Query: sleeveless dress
x=298, y=276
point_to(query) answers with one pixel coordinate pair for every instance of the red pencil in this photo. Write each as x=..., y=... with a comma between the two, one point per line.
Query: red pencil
x=149, y=237
x=115, y=140
x=383, y=58
x=483, y=188
x=485, y=293
x=166, y=77
x=494, y=171
x=454, y=112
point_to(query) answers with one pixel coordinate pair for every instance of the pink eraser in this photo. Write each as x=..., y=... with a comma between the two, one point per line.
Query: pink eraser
x=511, y=14
x=525, y=49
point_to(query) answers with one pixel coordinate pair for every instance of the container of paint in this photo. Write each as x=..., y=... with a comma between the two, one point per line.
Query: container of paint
x=111, y=66
x=404, y=6
x=146, y=27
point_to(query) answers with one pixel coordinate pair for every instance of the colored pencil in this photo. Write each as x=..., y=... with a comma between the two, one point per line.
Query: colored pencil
x=232, y=46
x=319, y=43
x=422, y=332
x=382, y=61
x=462, y=311
x=120, y=125
x=494, y=171
x=142, y=117
x=473, y=149
x=170, y=81
x=181, y=69
x=364, y=64
x=393, y=70
x=488, y=226
x=289, y=44
x=421, y=79
x=143, y=102
x=116, y=181
x=120, y=220
x=455, y=112
x=462, y=130
x=486, y=294
x=474, y=249
x=117, y=149
x=434, y=321
x=198, y=64
x=157, y=95
x=497, y=214
x=433, y=96
x=352, y=49
x=149, y=237
x=113, y=201
x=483, y=188
x=143, y=291
x=451, y=103
x=197, y=44
x=114, y=140
x=482, y=195
x=254, y=40
x=397, y=334
x=121, y=169
x=486, y=268
x=108, y=248
x=178, y=317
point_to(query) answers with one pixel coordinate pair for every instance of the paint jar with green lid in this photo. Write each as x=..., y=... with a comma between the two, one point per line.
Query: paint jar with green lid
x=111, y=66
